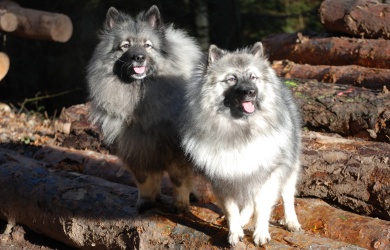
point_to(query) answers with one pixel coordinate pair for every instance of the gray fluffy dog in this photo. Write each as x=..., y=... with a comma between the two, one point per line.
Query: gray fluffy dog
x=136, y=81
x=242, y=130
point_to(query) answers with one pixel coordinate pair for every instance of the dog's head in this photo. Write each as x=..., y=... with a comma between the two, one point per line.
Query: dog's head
x=237, y=78
x=134, y=42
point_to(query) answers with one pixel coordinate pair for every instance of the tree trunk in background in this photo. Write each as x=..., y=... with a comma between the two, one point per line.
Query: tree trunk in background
x=202, y=23
x=361, y=18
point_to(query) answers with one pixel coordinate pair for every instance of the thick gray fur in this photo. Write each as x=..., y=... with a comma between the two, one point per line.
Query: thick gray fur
x=137, y=113
x=249, y=157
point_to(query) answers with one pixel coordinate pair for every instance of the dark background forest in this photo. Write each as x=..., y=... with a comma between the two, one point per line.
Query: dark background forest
x=55, y=72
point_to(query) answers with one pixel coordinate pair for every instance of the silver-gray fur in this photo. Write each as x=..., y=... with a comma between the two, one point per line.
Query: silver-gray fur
x=241, y=128
x=136, y=80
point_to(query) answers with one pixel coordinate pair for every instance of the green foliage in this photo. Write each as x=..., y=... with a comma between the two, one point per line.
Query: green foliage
x=263, y=18
x=290, y=83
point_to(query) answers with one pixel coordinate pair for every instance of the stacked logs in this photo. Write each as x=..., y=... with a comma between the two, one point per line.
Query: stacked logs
x=353, y=58
x=34, y=24
x=360, y=57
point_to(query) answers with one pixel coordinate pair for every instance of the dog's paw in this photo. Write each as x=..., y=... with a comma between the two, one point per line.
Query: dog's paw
x=144, y=204
x=236, y=236
x=261, y=238
x=291, y=225
x=179, y=207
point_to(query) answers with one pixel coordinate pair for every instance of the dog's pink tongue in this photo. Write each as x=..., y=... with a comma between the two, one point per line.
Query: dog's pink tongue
x=248, y=107
x=139, y=70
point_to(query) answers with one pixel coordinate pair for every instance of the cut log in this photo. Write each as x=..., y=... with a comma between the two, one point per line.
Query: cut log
x=361, y=18
x=90, y=213
x=311, y=48
x=352, y=173
x=4, y=65
x=342, y=109
x=37, y=24
x=372, y=78
x=8, y=21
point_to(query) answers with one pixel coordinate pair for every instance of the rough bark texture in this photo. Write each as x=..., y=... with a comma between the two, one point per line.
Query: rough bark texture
x=346, y=110
x=90, y=213
x=39, y=24
x=315, y=49
x=372, y=78
x=352, y=173
x=361, y=18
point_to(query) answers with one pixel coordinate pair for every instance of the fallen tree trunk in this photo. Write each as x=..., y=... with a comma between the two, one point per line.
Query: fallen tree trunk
x=39, y=24
x=352, y=74
x=90, y=213
x=319, y=50
x=362, y=18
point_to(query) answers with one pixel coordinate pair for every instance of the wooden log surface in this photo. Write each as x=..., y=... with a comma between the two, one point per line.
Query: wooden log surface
x=361, y=18
x=4, y=64
x=315, y=49
x=372, y=78
x=90, y=213
x=343, y=109
x=8, y=21
x=38, y=24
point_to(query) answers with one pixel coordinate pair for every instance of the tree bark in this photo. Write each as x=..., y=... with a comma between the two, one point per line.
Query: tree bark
x=372, y=78
x=346, y=110
x=348, y=172
x=361, y=18
x=39, y=24
x=90, y=213
x=319, y=50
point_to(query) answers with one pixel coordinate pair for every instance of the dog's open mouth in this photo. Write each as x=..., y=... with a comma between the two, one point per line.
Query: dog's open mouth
x=248, y=107
x=139, y=72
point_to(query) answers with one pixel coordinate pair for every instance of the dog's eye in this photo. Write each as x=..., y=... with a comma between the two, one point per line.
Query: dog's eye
x=254, y=77
x=148, y=44
x=125, y=45
x=231, y=79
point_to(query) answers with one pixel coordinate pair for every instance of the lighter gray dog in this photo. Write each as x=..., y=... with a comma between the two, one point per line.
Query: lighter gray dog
x=242, y=130
x=136, y=81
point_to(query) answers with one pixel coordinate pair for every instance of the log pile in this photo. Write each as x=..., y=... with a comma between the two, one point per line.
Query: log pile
x=33, y=24
x=359, y=57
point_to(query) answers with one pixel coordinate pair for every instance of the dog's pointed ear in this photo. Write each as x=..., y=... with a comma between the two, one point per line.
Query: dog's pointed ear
x=153, y=17
x=257, y=50
x=215, y=54
x=113, y=17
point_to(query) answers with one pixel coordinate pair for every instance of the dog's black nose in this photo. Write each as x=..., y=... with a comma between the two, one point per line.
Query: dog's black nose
x=140, y=58
x=251, y=92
